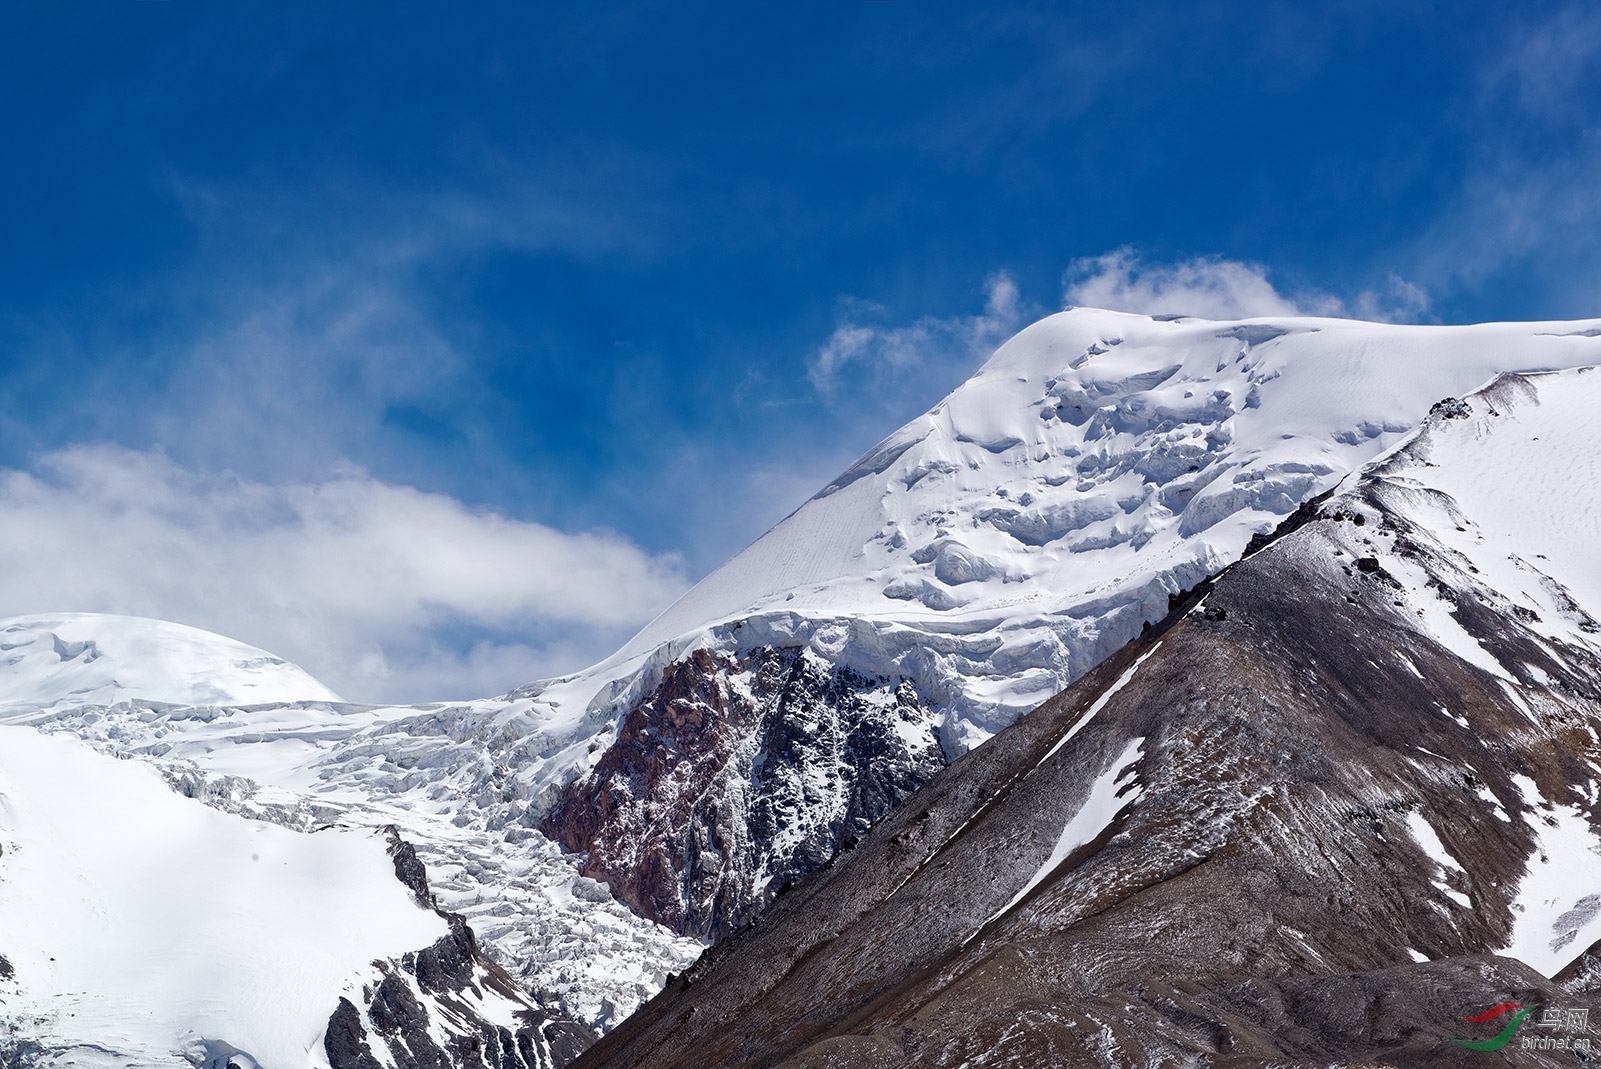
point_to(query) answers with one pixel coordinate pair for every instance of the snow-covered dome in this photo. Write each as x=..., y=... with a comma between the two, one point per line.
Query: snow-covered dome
x=97, y=659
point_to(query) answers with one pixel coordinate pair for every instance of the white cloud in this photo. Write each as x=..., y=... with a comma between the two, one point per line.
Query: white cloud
x=359, y=581
x=1399, y=302
x=1210, y=288
x=884, y=353
x=302, y=371
x=1215, y=288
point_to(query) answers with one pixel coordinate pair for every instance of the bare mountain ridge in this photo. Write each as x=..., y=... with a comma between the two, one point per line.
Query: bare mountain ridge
x=1336, y=803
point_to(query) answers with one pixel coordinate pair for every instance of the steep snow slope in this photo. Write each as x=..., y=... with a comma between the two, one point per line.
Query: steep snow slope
x=995, y=548
x=969, y=567
x=96, y=659
x=136, y=921
x=1520, y=460
x=1376, y=741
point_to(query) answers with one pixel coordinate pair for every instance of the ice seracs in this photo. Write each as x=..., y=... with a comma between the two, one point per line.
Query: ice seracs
x=995, y=548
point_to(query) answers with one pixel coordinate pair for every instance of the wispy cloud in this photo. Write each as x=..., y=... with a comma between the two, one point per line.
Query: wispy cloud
x=884, y=354
x=1527, y=189
x=382, y=591
x=1217, y=288
x=1545, y=66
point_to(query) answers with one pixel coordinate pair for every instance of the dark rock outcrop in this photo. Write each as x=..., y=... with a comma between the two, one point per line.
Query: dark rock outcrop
x=344, y=1042
x=409, y=869
x=736, y=777
x=451, y=988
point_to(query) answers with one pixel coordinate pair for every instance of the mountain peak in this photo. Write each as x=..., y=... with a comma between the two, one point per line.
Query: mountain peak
x=102, y=659
x=1038, y=516
x=1327, y=811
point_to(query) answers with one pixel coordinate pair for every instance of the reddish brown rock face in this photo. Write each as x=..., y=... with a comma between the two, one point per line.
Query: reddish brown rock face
x=738, y=775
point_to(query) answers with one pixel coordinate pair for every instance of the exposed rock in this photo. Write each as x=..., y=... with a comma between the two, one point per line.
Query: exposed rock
x=739, y=775
x=345, y=1042
x=1299, y=828
x=451, y=989
x=409, y=870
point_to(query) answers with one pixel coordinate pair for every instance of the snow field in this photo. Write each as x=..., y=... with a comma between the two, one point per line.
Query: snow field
x=997, y=547
x=143, y=922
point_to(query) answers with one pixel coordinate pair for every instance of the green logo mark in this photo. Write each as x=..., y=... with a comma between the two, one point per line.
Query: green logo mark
x=1505, y=1036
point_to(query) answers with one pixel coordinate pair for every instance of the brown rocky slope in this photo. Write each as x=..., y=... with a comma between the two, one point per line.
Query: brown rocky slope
x=1292, y=824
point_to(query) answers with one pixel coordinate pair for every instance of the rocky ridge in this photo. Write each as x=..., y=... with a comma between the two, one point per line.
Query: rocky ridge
x=990, y=552
x=447, y=1006
x=1375, y=738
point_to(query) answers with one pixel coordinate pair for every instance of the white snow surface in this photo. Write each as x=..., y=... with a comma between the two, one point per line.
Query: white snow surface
x=1557, y=913
x=1523, y=471
x=97, y=659
x=142, y=922
x=1429, y=839
x=1509, y=494
x=1100, y=703
x=997, y=547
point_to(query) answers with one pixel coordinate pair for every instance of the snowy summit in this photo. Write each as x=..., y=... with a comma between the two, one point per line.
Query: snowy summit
x=97, y=659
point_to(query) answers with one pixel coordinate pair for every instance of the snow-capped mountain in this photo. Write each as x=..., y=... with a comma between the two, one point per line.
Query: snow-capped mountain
x=1029, y=524
x=441, y=780
x=1341, y=803
x=973, y=564
x=597, y=830
x=70, y=659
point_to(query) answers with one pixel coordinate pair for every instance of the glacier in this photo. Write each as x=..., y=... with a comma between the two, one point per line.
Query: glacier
x=997, y=547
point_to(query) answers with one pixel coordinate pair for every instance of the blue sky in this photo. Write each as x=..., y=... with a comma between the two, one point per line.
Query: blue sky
x=632, y=280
